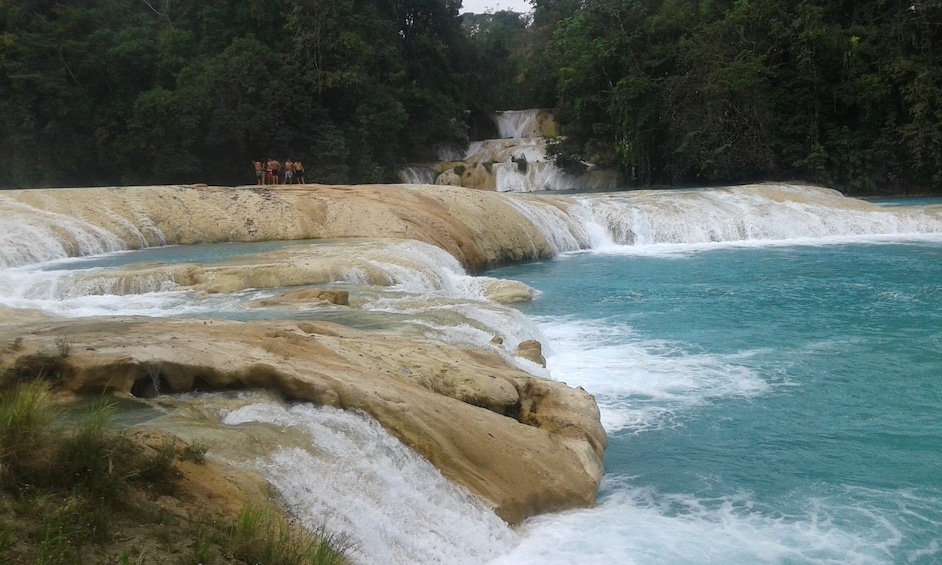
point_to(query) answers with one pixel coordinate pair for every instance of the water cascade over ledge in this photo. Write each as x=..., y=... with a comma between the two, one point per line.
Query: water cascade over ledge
x=514, y=161
x=176, y=288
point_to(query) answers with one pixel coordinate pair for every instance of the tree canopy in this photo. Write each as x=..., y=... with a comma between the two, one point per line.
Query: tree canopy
x=114, y=92
x=842, y=93
x=714, y=91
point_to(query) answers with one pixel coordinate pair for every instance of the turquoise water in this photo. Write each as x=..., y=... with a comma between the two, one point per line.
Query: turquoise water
x=777, y=404
x=172, y=254
x=765, y=358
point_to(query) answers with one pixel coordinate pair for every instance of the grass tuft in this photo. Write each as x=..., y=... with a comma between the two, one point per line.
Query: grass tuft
x=195, y=453
x=63, y=346
x=263, y=535
x=26, y=419
x=71, y=488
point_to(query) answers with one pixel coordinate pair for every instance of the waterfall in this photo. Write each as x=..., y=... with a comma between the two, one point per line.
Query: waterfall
x=545, y=176
x=517, y=124
x=31, y=235
x=751, y=213
x=562, y=224
x=343, y=466
x=734, y=215
x=515, y=161
x=418, y=174
x=354, y=476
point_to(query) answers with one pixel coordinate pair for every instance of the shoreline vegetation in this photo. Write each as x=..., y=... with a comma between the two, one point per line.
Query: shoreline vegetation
x=106, y=92
x=74, y=491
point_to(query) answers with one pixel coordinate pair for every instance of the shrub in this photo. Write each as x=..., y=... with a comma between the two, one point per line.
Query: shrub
x=195, y=453
x=63, y=346
x=26, y=421
x=262, y=535
x=88, y=455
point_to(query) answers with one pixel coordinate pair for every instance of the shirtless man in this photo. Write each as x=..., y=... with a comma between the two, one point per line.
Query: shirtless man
x=273, y=169
x=299, y=171
x=259, y=172
x=289, y=172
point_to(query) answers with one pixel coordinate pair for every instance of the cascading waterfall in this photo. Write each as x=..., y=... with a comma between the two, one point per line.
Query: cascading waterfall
x=29, y=235
x=418, y=284
x=753, y=213
x=518, y=124
x=514, y=162
x=401, y=507
x=724, y=215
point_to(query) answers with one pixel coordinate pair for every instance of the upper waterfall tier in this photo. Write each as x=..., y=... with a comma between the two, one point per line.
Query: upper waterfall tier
x=519, y=124
x=515, y=161
x=477, y=228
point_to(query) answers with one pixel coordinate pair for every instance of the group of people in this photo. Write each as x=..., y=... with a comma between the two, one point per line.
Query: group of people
x=270, y=172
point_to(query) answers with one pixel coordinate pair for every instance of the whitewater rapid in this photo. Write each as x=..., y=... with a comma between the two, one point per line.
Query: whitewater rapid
x=116, y=263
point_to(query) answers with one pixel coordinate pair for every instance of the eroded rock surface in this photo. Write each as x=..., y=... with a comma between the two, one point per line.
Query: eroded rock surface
x=525, y=445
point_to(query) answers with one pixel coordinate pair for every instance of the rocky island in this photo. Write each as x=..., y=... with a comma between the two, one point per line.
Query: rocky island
x=523, y=443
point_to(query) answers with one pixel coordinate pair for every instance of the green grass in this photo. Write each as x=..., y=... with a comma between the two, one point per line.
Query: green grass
x=262, y=535
x=26, y=419
x=70, y=487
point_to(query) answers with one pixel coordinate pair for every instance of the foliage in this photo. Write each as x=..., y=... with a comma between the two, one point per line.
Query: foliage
x=493, y=52
x=26, y=418
x=109, y=92
x=262, y=535
x=714, y=91
x=103, y=92
x=70, y=488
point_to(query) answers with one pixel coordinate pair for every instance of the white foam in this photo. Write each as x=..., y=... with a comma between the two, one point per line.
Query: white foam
x=359, y=479
x=641, y=384
x=29, y=235
x=678, y=221
x=639, y=525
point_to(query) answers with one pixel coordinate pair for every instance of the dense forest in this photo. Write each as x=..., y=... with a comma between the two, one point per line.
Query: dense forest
x=672, y=92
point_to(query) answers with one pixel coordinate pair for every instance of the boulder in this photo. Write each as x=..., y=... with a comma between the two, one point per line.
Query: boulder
x=307, y=296
x=531, y=350
x=449, y=178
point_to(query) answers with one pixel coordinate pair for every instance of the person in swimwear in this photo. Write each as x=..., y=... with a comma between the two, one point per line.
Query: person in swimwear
x=270, y=171
x=289, y=172
x=259, y=172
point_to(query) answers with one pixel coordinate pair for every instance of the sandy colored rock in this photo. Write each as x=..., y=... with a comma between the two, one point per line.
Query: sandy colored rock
x=509, y=292
x=307, y=296
x=478, y=228
x=215, y=488
x=449, y=178
x=532, y=350
x=525, y=445
x=341, y=297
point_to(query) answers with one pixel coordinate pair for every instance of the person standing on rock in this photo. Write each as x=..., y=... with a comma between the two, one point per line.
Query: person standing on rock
x=289, y=172
x=259, y=172
x=271, y=167
x=299, y=171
